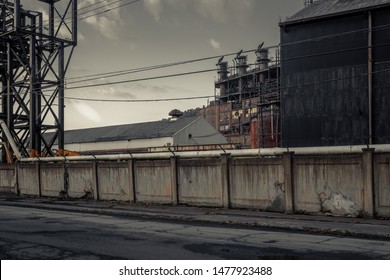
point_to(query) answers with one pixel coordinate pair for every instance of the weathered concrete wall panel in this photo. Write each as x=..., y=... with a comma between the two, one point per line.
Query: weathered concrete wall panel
x=81, y=179
x=329, y=184
x=346, y=185
x=7, y=179
x=52, y=179
x=257, y=183
x=200, y=182
x=153, y=181
x=382, y=184
x=113, y=181
x=28, y=181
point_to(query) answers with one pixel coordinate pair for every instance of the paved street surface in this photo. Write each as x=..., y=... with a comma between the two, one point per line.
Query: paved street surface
x=27, y=232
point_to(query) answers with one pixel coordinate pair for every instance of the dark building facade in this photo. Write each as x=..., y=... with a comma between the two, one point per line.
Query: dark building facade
x=335, y=74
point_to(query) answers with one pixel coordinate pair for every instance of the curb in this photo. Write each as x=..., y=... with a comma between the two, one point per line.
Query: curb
x=310, y=226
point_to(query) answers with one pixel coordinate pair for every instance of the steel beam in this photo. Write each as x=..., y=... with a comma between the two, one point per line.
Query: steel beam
x=33, y=58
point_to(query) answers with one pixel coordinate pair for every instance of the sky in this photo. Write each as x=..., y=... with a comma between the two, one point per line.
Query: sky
x=155, y=32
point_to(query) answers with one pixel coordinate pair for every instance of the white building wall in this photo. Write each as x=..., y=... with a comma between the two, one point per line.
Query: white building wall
x=119, y=145
x=199, y=132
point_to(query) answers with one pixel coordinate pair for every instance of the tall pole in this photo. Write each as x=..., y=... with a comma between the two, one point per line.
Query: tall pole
x=33, y=100
x=61, y=95
x=370, y=68
x=9, y=96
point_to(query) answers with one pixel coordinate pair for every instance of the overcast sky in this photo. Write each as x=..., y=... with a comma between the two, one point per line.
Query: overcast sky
x=154, y=32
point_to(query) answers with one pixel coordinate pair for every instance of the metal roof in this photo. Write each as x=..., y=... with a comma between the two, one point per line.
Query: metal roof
x=148, y=130
x=328, y=8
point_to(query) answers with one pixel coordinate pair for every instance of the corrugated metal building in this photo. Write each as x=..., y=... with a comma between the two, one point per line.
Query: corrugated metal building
x=141, y=136
x=335, y=79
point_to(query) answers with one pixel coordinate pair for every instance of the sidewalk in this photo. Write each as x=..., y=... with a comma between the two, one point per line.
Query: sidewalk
x=351, y=227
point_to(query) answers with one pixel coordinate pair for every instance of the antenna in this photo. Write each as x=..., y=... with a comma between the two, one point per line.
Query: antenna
x=239, y=54
x=220, y=60
x=258, y=51
x=260, y=47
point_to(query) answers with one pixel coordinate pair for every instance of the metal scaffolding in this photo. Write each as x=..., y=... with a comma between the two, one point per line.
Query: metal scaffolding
x=249, y=100
x=34, y=56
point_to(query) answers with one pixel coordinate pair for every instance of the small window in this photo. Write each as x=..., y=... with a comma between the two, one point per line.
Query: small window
x=190, y=136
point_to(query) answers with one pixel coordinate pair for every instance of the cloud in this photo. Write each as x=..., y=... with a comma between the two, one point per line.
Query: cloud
x=155, y=7
x=87, y=111
x=217, y=10
x=117, y=91
x=108, y=24
x=224, y=10
x=216, y=45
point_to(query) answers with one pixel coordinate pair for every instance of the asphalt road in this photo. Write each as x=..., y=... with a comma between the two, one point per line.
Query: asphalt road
x=27, y=233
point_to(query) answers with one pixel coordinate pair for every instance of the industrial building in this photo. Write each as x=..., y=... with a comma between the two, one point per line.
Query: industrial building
x=335, y=74
x=329, y=86
x=326, y=84
x=247, y=105
x=139, y=137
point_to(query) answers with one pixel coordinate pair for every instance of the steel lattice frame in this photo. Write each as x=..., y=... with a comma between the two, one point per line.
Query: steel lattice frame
x=34, y=58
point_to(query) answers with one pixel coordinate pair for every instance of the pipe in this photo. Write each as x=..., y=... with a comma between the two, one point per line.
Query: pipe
x=74, y=22
x=10, y=140
x=210, y=154
x=17, y=17
x=51, y=19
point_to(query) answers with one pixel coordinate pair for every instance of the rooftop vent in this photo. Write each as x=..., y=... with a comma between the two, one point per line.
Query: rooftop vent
x=175, y=114
x=308, y=2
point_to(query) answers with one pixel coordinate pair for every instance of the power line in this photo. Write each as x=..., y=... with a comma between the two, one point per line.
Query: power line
x=138, y=100
x=124, y=72
x=143, y=79
x=386, y=26
x=109, y=10
x=70, y=18
x=120, y=73
x=209, y=96
x=178, y=74
x=148, y=68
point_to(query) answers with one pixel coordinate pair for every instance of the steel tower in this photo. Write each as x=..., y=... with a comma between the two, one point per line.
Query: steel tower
x=35, y=50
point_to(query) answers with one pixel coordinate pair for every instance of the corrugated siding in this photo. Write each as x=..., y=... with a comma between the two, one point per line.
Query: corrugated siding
x=327, y=8
x=325, y=82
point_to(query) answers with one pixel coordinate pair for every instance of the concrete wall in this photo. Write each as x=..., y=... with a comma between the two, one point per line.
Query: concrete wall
x=200, y=182
x=382, y=184
x=29, y=179
x=332, y=184
x=81, y=179
x=52, y=176
x=7, y=179
x=257, y=183
x=114, y=182
x=153, y=181
x=341, y=185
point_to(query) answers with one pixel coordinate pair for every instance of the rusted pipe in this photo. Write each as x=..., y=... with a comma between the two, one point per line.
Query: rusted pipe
x=10, y=140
